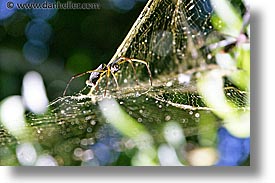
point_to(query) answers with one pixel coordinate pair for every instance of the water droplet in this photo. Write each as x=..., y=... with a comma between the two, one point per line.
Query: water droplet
x=87, y=118
x=160, y=106
x=197, y=115
x=84, y=142
x=89, y=129
x=209, y=56
x=167, y=118
x=184, y=120
x=170, y=83
x=78, y=152
x=139, y=119
x=93, y=122
x=197, y=120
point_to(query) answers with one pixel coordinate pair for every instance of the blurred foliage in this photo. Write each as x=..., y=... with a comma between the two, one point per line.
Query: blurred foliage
x=196, y=112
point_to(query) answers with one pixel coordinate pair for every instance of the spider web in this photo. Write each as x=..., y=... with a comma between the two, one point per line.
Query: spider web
x=170, y=35
x=173, y=37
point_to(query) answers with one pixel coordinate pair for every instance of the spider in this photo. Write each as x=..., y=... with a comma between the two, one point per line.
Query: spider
x=108, y=69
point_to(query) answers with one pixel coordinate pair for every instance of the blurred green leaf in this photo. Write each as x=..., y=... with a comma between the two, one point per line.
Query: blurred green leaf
x=227, y=20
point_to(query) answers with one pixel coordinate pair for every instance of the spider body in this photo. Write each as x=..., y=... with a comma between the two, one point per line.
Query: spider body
x=94, y=77
x=106, y=70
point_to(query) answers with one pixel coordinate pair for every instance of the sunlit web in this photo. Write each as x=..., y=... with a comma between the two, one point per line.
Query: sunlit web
x=173, y=37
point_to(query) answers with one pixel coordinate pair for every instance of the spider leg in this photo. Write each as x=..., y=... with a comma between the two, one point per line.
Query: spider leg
x=107, y=78
x=96, y=85
x=115, y=79
x=131, y=63
x=147, y=66
x=77, y=76
x=122, y=60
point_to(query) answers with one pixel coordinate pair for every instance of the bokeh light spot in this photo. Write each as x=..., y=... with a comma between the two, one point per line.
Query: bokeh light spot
x=102, y=153
x=167, y=156
x=174, y=134
x=26, y=154
x=79, y=62
x=35, y=52
x=232, y=150
x=124, y=5
x=203, y=157
x=38, y=30
x=12, y=114
x=34, y=93
x=46, y=160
